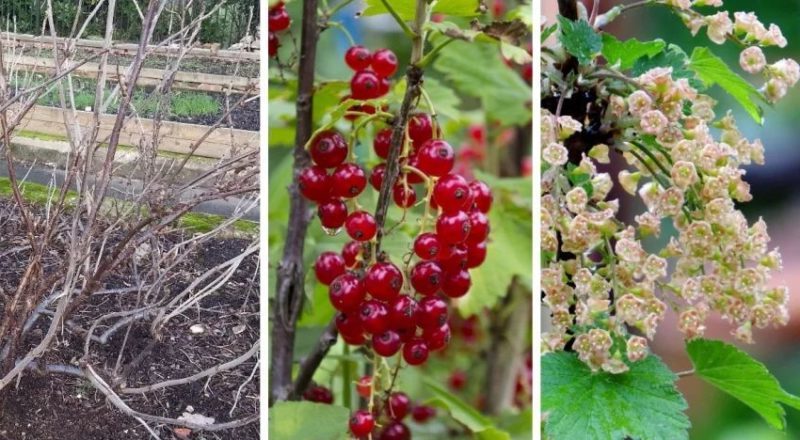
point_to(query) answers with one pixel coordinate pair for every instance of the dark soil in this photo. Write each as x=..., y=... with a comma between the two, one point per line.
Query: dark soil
x=244, y=117
x=67, y=407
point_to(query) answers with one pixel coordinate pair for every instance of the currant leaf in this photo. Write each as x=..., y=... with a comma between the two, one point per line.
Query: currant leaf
x=289, y=420
x=627, y=52
x=673, y=56
x=733, y=371
x=642, y=403
x=580, y=39
x=406, y=8
x=464, y=413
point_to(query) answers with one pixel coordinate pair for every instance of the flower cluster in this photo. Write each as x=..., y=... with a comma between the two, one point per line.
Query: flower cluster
x=608, y=291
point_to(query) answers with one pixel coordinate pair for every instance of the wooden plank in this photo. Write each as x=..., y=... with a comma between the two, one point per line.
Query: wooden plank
x=148, y=77
x=174, y=137
x=131, y=49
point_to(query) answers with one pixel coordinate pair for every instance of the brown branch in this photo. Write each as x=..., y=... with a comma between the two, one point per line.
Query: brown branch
x=290, y=288
x=568, y=9
x=311, y=362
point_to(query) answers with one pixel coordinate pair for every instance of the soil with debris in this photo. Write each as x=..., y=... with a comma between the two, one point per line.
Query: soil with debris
x=223, y=327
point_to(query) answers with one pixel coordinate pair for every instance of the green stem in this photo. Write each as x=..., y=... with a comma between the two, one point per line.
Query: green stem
x=406, y=30
x=337, y=8
x=427, y=59
x=337, y=25
x=347, y=378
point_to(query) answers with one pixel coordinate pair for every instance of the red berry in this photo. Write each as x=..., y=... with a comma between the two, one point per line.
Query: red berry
x=437, y=338
x=395, y=431
x=386, y=344
x=376, y=177
x=453, y=228
x=431, y=312
x=361, y=423
x=361, y=226
x=332, y=214
x=411, y=177
x=346, y=293
x=482, y=195
x=328, y=149
x=328, y=266
x=279, y=19
x=374, y=316
x=319, y=394
x=384, y=63
x=349, y=180
x=364, y=386
x=427, y=246
x=349, y=324
x=454, y=259
x=357, y=57
x=384, y=85
x=426, y=277
x=403, y=312
x=451, y=193
x=436, y=157
x=404, y=196
x=477, y=133
x=415, y=352
x=383, y=281
x=365, y=85
x=314, y=183
x=420, y=128
x=476, y=254
x=350, y=253
x=357, y=339
x=274, y=44
x=527, y=72
x=479, y=227
x=382, y=143
x=456, y=284
x=457, y=380
x=423, y=413
x=398, y=406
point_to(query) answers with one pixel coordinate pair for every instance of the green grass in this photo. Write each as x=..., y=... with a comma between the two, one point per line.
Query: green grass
x=191, y=104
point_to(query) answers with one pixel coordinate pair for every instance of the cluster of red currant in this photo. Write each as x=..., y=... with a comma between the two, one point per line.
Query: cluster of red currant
x=279, y=21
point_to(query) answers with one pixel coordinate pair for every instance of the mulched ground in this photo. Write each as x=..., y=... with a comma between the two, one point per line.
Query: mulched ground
x=65, y=407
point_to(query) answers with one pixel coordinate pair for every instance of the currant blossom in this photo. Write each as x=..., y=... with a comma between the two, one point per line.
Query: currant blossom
x=752, y=60
x=719, y=27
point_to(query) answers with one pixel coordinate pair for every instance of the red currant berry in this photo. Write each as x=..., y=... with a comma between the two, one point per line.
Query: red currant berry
x=403, y=312
x=328, y=149
x=423, y=413
x=384, y=63
x=279, y=20
x=361, y=226
x=453, y=228
x=314, y=183
x=332, y=214
x=383, y=281
x=365, y=85
x=382, y=143
x=349, y=180
x=456, y=284
x=349, y=324
x=482, y=195
x=451, y=193
x=457, y=380
x=350, y=253
x=527, y=72
x=427, y=246
x=420, y=128
x=479, y=227
x=395, y=431
x=431, y=312
x=357, y=339
x=386, y=344
x=398, y=406
x=328, y=266
x=437, y=338
x=476, y=254
x=374, y=316
x=364, y=386
x=436, y=158
x=426, y=277
x=357, y=57
x=415, y=352
x=413, y=178
x=376, y=177
x=454, y=259
x=274, y=44
x=477, y=133
x=319, y=394
x=361, y=423
x=384, y=85
x=404, y=196
x=346, y=293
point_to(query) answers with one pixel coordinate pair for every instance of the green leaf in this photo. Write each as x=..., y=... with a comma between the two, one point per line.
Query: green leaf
x=580, y=39
x=504, y=95
x=711, y=70
x=673, y=57
x=406, y=8
x=548, y=31
x=327, y=97
x=464, y=413
x=642, y=403
x=306, y=420
x=627, y=52
x=736, y=373
x=492, y=434
x=445, y=100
